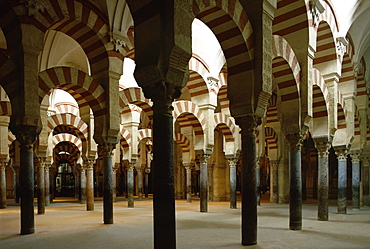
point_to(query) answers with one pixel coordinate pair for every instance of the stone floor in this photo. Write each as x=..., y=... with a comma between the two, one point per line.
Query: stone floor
x=66, y=224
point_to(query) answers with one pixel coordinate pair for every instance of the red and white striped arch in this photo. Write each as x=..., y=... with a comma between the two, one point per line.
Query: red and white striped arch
x=66, y=137
x=144, y=134
x=348, y=73
x=226, y=125
x=222, y=97
x=357, y=123
x=272, y=110
x=67, y=119
x=271, y=137
x=85, y=90
x=361, y=85
x=135, y=96
x=191, y=115
x=320, y=96
x=71, y=151
x=341, y=112
x=183, y=142
x=67, y=107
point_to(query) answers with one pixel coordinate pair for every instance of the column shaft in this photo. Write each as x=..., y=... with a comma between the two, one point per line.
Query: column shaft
x=355, y=180
x=83, y=186
x=342, y=181
x=203, y=183
x=232, y=164
x=188, y=184
x=323, y=187
x=47, y=184
x=90, y=188
x=258, y=183
x=108, y=183
x=41, y=186
x=2, y=185
x=365, y=178
x=274, y=183
x=130, y=186
x=146, y=188
x=140, y=183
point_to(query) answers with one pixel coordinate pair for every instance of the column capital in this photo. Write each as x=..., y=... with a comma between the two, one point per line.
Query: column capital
x=322, y=145
x=26, y=134
x=232, y=161
x=89, y=164
x=3, y=165
x=355, y=156
x=162, y=93
x=248, y=124
x=365, y=160
x=274, y=164
x=40, y=161
x=106, y=149
x=295, y=140
x=203, y=158
x=341, y=154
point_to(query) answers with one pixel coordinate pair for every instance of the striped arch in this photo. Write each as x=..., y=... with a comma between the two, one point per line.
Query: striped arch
x=67, y=119
x=68, y=150
x=125, y=138
x=272, y=110
x=144, y=134
x=226, y=125
x=357, y=123
x=341, y=116
x=197, y=75
x=5, y=108
x=183, y=141
x=232, y=28
x=66, y=137
x=361, y=85
x=271, y=137
x=86, y=91
x=87, y=26
x=67, y=107
x=135, y=96
x=222, y=98
x=348, y=73
x=320, y=104
x=11, y=27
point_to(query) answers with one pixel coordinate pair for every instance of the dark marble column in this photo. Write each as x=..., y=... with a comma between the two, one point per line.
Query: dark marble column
x=355, y=180
x=83, y=184
x=203, y=159
x=115, y=169
x=16, y=183
x=342, y=180
x=188, y=183
x=146, y=188
x=295, y=192
x=41, y=185
x=3, y=184
x=322, y=145
x=140, y=183
x=210, y=181
x=365, y=178
x=130, y=185
x=232, y=165
x=89, y=166
x=106, y=149
x=274, y=189
x=258, y=180
x=248, y=125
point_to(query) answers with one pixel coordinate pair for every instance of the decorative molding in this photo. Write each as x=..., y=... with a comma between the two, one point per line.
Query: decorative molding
x=33, y=7
x=317, y=8
x=341, y=45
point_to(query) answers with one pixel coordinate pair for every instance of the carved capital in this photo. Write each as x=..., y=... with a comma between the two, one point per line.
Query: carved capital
x=33, y=7
x=40, y=161
x=203, y=158
x=26, y=135
x=106, y=149
x=248, y=124
x=295, y=141
x=322, y=145
x=355, y=157
x=232, y=162
x=341, y=154
x=3, y=165
x=365, y=161
x=317, y=8
x=89, y=164
x=162, y=95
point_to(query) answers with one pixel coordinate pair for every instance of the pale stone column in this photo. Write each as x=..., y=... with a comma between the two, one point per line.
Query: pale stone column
x=210, y=168
x=274, y=194
x=322, y=145
x=3, y=184
x=295, y=193
x=188, y=183
x=365, y=177
x=89, y=166
x=41, y=185
x=232, y=165
x=16, y=183
x=203, y=159
x=342, y=180
x=83, y=184
x=140, y=183
x=47, y=183
x=115, y=169
x=130, y=184
x=146, y=189
x=355, y=180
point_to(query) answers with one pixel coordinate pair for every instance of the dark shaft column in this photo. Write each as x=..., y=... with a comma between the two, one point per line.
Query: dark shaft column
x=163, y=169
x=232, y=164
x=295, y=192
x=258, y=181
x=130, y=185
x=107, y=149
x=41, y=185
x=203, y=160
x=146, y=188
x=47, y=184
x=248, y=125
x=188, y=184
x=140, y=183
x=355, y=180
x=342, y=181
x=274, y=186
x=365, y=178
x=3, y=184
x=322, y=146
x=16, y=183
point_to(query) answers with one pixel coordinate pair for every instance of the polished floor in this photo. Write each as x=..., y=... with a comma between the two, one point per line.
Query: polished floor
x=66, y=224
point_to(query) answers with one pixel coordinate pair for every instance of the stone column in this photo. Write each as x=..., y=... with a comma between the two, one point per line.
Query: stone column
x=188, y=183
x=41, y=185
x=115, y=168
x=365, y=180
x=203, y=159
x=26, y=136
x=3, y=184
x=258, y=180
x=106, y=149
x=140, y=183
x=210, y=181
x=89, y=166
x=130, y=184
x=274, y=193
x=355, y=180
x=146, y=188
x=342, y=180
x=322, y=145
x=295, y=192
x=83, y=184
x=47, y=183
x=232, y=165
x=248, y=125
x=16, y=183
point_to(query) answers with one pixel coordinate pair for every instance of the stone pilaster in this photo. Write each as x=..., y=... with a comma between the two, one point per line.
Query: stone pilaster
x=355, y=180
x=295, y=192
x=232, y=165
x=322, y=145
x=130, y=185
x=40, y=184
x=248, y=125
x=3, y=184
x=365, y=178
x=106, y=150
x=188, y=183
x=274, y=191
x=342, y=180
x=89, y=167
x=203, y=161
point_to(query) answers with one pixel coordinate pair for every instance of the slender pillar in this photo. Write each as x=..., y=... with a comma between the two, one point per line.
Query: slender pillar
x=26, y=137
x=355, y=180
x=188, y=184
x=203, y=159
x=3, y=184
x=322, y=145
x=89, y=165
x=248, y=125
x=232, y=164
x=140, y=183
x=365, y=178
x=342, y=181
x=83, y=184
x=115, y=169
x=210, y=181
x=130, y=185
x=106, y=149
x=295, y=192
x=146, y=188
x=41, y=185
x=258, y=180
x=16, y=183
x=274, y=198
